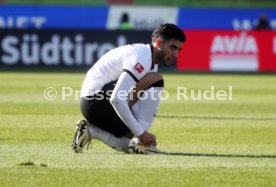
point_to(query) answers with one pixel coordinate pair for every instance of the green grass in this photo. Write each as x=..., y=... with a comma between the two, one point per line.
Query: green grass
x=212, y=143
x=185, y=3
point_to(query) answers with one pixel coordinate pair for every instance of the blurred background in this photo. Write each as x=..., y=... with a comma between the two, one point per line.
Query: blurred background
x=223, y=36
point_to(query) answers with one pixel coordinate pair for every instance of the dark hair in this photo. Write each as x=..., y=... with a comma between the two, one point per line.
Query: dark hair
x=168, y=31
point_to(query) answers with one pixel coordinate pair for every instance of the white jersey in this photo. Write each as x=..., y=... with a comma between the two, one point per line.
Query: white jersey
x=126, y=65
x=135, y=59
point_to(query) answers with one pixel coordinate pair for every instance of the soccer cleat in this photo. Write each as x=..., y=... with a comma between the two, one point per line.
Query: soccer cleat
x=136, y=147
x=81, y=137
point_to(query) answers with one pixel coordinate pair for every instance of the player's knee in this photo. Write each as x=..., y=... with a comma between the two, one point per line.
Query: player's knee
x=152, y=79
x=156, y=80
x=155, y=76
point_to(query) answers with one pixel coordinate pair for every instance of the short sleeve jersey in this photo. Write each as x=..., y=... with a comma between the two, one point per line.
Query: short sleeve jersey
x=135, y=59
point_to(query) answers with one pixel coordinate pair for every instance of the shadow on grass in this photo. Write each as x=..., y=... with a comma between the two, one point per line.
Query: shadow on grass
x=213, y=117
x=220, y=155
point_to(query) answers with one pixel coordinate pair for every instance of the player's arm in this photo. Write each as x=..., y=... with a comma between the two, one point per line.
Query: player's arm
x=119, y=100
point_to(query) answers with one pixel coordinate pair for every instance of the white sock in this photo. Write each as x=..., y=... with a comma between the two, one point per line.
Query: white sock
x=120, y=144
x=146, y=108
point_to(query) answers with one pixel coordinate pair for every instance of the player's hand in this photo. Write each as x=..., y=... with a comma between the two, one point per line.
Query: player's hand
x=148, y=139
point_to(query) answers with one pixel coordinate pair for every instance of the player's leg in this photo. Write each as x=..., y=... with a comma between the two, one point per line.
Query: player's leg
x=150, y=80
x=110, y=129
x=118, y=143
x=86, y=131
x=104, y=123
x=144, y=107
x=148, y=89
x=123, y=144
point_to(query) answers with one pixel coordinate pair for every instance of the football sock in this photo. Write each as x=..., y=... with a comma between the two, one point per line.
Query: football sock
x=120, y=144
x=146, y=107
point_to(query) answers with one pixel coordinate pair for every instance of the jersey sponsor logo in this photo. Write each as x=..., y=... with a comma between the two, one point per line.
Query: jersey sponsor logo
x=139, y=68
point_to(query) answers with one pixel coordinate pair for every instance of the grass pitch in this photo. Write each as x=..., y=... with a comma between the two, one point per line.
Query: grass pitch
x=212, y=143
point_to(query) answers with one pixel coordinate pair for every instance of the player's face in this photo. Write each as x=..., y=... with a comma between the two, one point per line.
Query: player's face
x=168, y=51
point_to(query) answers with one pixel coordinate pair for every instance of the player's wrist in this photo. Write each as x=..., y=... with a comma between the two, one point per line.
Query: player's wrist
x=139, y=133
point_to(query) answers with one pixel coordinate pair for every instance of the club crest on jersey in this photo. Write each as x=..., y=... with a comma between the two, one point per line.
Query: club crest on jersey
x=139, y=68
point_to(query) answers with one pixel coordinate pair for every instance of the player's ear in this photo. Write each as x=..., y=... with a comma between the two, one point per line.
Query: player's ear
x=159, y=42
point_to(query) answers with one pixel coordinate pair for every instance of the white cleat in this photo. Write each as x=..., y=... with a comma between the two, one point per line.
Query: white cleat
x=81, y=137
x=136, y=147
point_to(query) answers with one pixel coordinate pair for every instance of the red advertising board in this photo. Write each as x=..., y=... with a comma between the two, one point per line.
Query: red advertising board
x=228, y=51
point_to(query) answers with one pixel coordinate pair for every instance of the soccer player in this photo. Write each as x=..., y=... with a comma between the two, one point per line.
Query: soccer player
x=121, y=92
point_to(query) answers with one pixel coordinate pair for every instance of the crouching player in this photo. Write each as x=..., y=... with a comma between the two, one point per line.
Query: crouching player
x=110, y=93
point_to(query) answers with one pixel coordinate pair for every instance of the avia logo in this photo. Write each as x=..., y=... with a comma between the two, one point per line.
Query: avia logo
x=241, y=44
x=234, y=53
